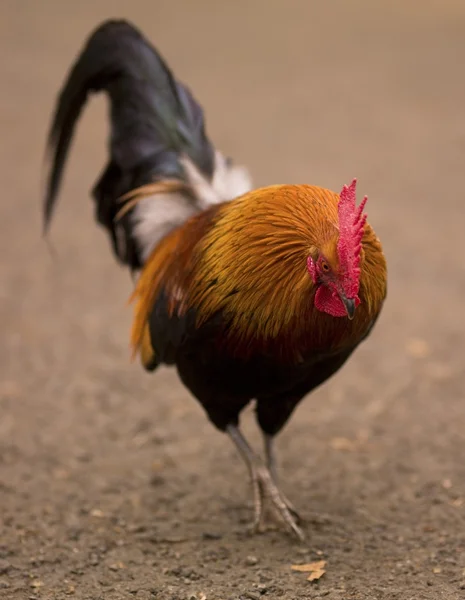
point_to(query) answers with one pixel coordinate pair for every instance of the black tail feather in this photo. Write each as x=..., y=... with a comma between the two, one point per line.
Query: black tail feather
x=154, y=119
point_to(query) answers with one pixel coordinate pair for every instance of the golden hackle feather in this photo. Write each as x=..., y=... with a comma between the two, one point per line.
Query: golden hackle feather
x=247, y=260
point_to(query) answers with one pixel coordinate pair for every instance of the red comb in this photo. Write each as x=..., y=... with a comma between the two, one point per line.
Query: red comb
x=351, y=224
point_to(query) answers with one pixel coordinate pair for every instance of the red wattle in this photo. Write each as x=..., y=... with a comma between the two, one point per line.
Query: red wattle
x=329, y=302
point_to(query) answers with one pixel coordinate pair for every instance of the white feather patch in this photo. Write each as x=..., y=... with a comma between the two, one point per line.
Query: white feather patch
x=228, y=182
x=157, y=215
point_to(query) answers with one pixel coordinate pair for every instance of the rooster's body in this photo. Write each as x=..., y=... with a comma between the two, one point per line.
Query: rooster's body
x=261, y=297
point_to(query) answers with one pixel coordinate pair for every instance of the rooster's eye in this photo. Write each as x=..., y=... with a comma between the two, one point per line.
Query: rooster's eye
x=324, y=266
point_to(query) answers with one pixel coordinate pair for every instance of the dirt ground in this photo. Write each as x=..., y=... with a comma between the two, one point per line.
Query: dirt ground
x=113, y=485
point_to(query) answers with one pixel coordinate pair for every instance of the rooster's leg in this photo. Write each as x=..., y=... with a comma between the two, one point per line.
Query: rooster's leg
x=263, y=484
x=271, y=456
x=272, y=467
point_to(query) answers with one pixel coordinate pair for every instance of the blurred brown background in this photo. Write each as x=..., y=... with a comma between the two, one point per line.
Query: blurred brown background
x=112, y=482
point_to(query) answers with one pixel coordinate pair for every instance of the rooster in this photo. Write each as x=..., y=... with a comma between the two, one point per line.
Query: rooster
x=252, y=295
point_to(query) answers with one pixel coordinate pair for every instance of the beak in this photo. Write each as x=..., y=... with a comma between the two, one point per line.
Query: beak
x=349, y=303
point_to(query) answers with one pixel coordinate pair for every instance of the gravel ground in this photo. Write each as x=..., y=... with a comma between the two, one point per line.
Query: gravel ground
x=113, y=485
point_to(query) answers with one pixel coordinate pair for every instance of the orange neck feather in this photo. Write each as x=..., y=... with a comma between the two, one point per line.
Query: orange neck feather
x=247, y=260
x=257, y=253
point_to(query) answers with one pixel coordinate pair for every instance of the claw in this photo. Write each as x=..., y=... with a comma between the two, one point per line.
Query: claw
x=272, y=467
x=264, y=486
x=267, y=488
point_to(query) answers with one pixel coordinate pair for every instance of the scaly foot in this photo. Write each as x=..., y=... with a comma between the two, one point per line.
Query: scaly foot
x=264, y=487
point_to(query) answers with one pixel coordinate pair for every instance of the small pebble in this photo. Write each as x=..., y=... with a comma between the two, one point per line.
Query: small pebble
x=83, y=456
x=250, y=561
x=211, y=535
x=5, y=566
x=94, y=558
x=157, y=480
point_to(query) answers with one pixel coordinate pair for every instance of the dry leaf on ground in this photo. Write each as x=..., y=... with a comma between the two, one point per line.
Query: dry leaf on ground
x=316, y=569
x=316, y=575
